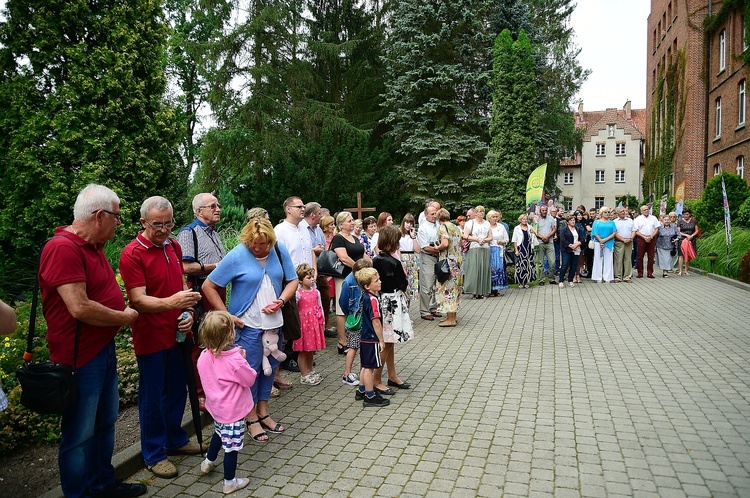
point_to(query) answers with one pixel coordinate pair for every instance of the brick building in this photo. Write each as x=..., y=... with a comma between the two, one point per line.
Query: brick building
x=610, y=163
x=685, y=148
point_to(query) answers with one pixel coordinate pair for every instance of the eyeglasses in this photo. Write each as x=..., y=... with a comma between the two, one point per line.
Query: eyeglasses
x=298, y=207
x=211, y=206
x=117, y=216
x=161, y=226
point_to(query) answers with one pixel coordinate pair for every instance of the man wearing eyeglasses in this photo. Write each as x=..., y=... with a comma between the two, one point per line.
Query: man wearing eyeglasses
x=299, y=244
x=78, y=285
x=201, y=252
x=151, y=267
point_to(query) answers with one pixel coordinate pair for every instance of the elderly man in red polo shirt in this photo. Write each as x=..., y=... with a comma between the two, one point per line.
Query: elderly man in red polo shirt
x=151, y=267
x=79, y=287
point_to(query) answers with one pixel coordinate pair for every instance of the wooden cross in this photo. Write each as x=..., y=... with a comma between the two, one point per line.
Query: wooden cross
x=359, y=209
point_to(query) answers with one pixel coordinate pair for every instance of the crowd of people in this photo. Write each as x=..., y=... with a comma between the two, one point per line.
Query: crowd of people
x=177, y=292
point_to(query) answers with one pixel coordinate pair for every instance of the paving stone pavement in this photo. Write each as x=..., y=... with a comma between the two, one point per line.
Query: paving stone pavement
x=603, y=390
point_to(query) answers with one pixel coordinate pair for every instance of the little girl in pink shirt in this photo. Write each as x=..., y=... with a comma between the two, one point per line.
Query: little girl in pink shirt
x=226, y=378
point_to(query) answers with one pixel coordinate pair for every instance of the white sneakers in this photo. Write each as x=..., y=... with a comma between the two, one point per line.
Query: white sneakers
x=207, y=466
x=350, y=380
x=235, y=484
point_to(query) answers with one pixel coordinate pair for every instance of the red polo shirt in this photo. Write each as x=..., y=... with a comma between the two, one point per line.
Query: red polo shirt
x=67, y=259
x=159, y=270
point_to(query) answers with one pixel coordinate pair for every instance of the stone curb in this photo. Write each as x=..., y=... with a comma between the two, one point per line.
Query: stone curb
x=725, y=280
x=129, y=460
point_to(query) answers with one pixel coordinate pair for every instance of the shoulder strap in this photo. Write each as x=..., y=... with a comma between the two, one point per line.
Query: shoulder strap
x=195, y=245
x=28, y=355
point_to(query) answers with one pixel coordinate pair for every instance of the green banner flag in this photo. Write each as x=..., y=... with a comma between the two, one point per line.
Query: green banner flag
x=535, y=185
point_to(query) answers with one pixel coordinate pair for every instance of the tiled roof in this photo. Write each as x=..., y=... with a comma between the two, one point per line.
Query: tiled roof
x=596, y=121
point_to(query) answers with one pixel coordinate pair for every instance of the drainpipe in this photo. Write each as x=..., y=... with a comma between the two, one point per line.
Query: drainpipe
x=708, y=104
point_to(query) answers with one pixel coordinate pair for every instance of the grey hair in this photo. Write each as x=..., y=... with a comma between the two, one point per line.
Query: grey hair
x=312, y=208
x=198, y=200
x=341, y=217
x=155, y=203
x=91, y=199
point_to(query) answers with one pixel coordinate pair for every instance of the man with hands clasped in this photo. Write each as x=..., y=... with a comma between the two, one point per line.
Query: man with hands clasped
x=151, y=267
x=646, y=228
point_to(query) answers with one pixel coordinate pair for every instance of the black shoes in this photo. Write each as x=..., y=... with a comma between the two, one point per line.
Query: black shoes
x=403, y=385
x=375, y=401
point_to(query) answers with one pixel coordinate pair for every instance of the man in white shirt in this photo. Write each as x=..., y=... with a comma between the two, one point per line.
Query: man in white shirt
x=646, y=227
x=623, y=246
x=296, y=239
x=297, y=242
x=428, y=203
x=427, y=238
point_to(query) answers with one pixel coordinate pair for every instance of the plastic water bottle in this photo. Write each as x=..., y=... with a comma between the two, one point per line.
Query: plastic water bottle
x=180, y=334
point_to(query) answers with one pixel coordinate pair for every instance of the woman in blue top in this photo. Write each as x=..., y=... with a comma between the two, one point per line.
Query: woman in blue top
x=258, y=293
x=603, y=235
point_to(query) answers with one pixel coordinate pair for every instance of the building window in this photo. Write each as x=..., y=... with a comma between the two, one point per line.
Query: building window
x=722, y=50
x=599, y=202
x=568, y=203
x=717, y=169
x=601, y=149
x=568, y=178
x=741, y=166
x=619, y=176
x=741, y=103
x=611, y=131
x=718, y=117
x=620, y=149
x=599, y=176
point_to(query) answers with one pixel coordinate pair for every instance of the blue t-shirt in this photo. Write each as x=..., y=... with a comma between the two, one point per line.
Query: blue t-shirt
x=370, y=312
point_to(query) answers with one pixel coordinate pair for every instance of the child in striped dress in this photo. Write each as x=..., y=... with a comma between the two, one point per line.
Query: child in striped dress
x=227, y=378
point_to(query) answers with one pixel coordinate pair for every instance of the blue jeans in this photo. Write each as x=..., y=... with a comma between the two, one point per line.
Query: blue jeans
x=162, y=392
x=569, y=260
x=88, y=428
x=250, y=340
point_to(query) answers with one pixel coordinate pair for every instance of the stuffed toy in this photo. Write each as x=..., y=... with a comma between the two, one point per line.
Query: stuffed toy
x=271, y=347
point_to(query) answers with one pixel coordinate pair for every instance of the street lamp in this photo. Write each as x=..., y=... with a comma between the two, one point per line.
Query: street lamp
x=712, y=257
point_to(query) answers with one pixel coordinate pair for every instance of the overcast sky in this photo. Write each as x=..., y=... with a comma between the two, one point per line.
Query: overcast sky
x=612, y=38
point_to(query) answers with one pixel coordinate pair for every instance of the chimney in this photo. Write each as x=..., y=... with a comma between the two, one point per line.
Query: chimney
x=580, y=112
x=628, y=115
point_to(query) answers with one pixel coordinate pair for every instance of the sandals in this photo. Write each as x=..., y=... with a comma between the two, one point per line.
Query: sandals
x=278, y=429
x=261, y=437
x=282, y=384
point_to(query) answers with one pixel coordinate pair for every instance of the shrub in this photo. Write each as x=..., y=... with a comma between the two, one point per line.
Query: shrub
x=744, y=271
x=743, y=215
x=717, y=243
x=711, y=208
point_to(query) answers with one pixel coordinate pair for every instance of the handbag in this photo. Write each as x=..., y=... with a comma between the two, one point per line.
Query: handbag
x=48, y=387
x=330, y=265
x=289, y=312
x=591, y=244
x=354, y=321
x=534, y=240
x=442, y=270
x=510, y=257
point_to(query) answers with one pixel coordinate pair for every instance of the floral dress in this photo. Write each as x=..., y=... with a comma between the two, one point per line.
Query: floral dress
x=410, y=261
x=311, y=320
x=448, y=293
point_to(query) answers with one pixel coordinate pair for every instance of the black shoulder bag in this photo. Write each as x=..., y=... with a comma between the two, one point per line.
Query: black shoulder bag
x=289, y=311
x=197, y=283
x=48, y=387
